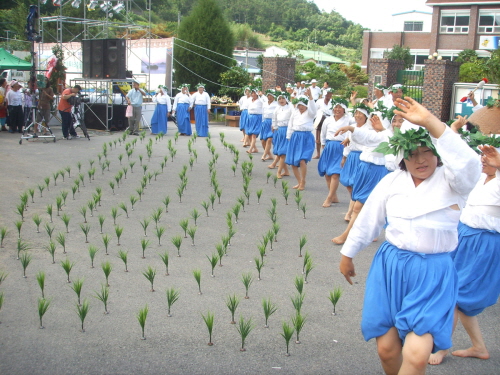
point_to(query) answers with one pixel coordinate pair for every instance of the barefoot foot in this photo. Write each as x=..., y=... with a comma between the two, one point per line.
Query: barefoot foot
x=295, y=187
x=316, y=157
x=327, y=203
x=437, y=358
x=472, y=352
x=338, y=240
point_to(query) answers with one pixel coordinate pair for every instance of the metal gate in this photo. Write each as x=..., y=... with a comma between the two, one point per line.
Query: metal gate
x=414, y=82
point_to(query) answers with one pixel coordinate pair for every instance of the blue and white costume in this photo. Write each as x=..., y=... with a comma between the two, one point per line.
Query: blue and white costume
x=243, y=104
x=201, y=103
x=352, y=152
x=160, y=115
x=181, y=108
x=412, y=283
x=301, y=141
x=255, y=109
x=281, y=117
x=477, y=258
x=267, y=119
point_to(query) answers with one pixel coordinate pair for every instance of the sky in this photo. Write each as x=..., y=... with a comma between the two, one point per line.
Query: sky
x=372, y=14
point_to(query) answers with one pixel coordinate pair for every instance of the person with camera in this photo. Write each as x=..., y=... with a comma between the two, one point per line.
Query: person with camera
x=64, y=107
x=44, y=105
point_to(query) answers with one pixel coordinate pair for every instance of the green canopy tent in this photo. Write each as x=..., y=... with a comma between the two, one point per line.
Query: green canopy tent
x=8, y=61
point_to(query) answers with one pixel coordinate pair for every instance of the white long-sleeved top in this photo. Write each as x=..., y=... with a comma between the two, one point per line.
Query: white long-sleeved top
x=281, y=115
x=420, y=218
x=255, y=107
x=14, y=98
x=315, y=92
x=324, y=109
x=302, y=122
x=330, y=127
x=370, y=139
x=482, y=210
x=163, y=99
x=200, y=99
x=268, y=109
x=353, y=145
x=243, y=102
x=181, y=98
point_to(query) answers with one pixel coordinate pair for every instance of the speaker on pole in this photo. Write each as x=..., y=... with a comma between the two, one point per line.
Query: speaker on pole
x=104, y=58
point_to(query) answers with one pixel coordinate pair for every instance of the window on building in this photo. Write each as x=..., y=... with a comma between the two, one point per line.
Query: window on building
x=454, y=22
x=414, y=26
x=489, y=21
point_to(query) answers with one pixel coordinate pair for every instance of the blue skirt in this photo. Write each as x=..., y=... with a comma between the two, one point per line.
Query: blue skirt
x=159, y=119
x=477, y=260
x=243, y=119
x=183, y=118
x=300, y=147
x=280, y=143
x=329, y=161
x=411, y=291
x=350, y=168
x=367, y=177
x=265, y=129
x=254, y=124
x=201, y=120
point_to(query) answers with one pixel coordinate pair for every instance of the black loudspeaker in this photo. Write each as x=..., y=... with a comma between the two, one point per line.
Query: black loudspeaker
x=104, y=58
x=115, y=58
x=95, y=116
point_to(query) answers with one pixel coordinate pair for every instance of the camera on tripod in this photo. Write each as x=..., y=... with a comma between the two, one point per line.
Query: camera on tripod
x=78, y=99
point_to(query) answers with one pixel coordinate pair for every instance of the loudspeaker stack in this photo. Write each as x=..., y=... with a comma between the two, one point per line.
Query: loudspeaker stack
x=104, y=58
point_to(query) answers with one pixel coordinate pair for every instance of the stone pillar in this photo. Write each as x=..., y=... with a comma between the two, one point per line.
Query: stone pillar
x=387, y=69
x=440, y=75
x=277, y=71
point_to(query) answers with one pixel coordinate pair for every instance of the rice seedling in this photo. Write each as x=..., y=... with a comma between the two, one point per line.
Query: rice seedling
x=206, y=206
x=166, y=202
x=47, y=182
x=212, y=200
x=269, y=309
x=40, y=278
x=123, y=255
x=51, y=248
x=247, y=195
x=91, y=161
x=92, y=252
x=144, y=225
x=334, y=297
x=220, y=251
x=37, y=220
x=140, y=192
x=156, y=216
x=191, y=232
x=197, y=277
x=55, y=176
x=219, y=194
x=61, y=239
x=77, y=184
x=74, y=189
x=275, y=180
x=103, y=297
x=112, y=186
x=150, y=274
x=43, y=306
x=302, y=243
x=19, y=225
x=165, y=259
x=68, y=170
x=81, y=177
x=309, y=267
x=49, y=229
x=124, y=207
x=307, y=256
x=32, y=194
x=160, y=231
x=288, y=331
x=77, y=287
x=85, y=229
x=82, y=311
x=285, y=194
x=21, y=246
x=120, y=157
x=195, y=215
x=172, y=297
x=3, y=233
x=180, y=191
x=233, y=168
x=66, y=219
x=41, y=188
x=91, y=205
x=230, y=233
x=131, y=165
x=241, y=202
x=232, y=303
x=114, y=214
x=236, y=211
x=244, y=328
x=83, y=211
x=25, y=259
x=259, y=263
x=262, y=251
x=297, y=301
x=299, y=283
x=144, y=245
x=247, y=279
x=106, y=268
x=298, y=322
x=184, y=225
x=209, y=322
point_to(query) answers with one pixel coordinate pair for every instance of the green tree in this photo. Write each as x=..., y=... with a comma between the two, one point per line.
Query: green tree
x=400, y=53
x=493, y=67
x=207, y=28
x=472, y=71
x=235, y=77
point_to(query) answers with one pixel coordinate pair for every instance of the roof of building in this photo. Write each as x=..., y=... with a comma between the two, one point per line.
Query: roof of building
x=320, y=57
x=411, y=11
x=461, y=2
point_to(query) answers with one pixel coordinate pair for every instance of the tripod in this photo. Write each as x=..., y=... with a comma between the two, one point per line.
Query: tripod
x=76, y=117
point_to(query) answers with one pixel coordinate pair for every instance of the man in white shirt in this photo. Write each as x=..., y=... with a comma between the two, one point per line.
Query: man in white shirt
x=315, y=90
x=134, y=98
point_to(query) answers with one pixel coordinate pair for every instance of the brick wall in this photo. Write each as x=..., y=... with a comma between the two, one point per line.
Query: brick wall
x=387, y=69
x=277, y=71
x=440, y=75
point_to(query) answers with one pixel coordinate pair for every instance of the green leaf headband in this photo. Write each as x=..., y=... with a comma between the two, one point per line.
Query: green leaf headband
x=283, y=94
x=475, y=138
x=302, y=99
x=200, y=85
x=186, y=85
x=388, y=113
x=406, y=143
x=339, y=101
x=493, y=103
x=395, y=88
x=163, y=87
x=362, y=106
x=380, y=87
x=271, y=92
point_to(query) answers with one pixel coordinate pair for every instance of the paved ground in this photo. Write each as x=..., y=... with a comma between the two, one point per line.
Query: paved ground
x=178, y=345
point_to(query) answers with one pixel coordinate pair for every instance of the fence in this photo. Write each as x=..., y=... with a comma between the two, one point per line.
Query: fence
x=414, y=81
